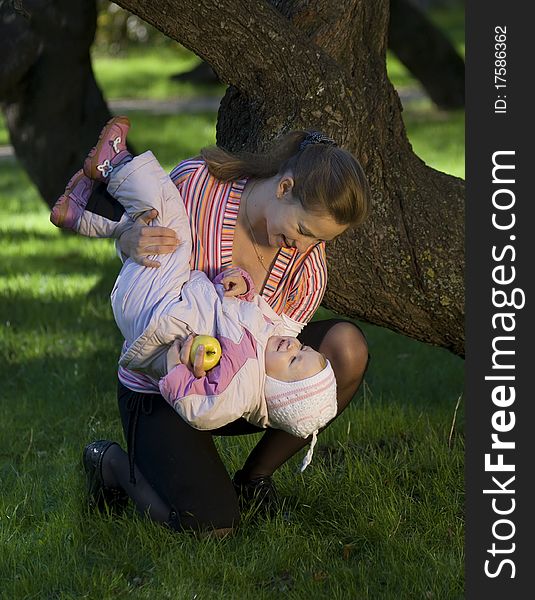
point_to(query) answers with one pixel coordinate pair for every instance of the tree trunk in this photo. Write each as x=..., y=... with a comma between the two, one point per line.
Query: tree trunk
x=300, y=64
x=53, y=107
x=303, y=63
x=427, y=53
x=424, y=50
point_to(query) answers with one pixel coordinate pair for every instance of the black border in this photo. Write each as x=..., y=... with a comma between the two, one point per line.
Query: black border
x=486, y=133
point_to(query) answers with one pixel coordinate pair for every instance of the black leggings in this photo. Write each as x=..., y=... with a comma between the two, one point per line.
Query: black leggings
x=182, y=463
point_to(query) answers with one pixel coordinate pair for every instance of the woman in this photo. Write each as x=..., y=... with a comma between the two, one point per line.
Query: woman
x=271, y=215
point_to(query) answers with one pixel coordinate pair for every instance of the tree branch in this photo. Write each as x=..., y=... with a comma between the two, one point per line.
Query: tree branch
x=250, y=44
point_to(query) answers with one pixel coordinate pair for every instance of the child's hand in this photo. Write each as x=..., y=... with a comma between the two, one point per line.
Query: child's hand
x=234, y=283
x=178, y=354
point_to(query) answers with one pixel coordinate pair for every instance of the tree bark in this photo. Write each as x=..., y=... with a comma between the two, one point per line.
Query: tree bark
x=424, y=50
x=53, y=106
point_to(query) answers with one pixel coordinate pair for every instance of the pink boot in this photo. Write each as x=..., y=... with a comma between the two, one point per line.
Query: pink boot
x=110, y=150
x=71, y=204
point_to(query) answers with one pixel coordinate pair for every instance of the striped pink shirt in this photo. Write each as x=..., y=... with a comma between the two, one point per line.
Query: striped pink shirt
x=296, y=283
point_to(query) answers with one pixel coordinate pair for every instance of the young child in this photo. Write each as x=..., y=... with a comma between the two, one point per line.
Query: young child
x=264, y=375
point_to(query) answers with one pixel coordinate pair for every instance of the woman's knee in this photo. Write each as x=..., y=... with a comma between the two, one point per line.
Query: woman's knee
x=346, y=347
x=206, y=523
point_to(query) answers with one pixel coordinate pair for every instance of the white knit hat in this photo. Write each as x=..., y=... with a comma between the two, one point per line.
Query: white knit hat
x=302, y=407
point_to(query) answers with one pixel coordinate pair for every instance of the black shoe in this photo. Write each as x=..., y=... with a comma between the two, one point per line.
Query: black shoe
x=258, y=493
x=98, y=495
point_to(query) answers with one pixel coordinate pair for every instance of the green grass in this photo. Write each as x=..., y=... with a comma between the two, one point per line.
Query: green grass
x=174, y=136
x=378, y=514
x=146, y=73
x=4, y=135
x=437, y=137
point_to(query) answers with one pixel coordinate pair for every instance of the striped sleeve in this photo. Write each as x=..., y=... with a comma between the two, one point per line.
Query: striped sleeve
x=307, y=286
x=183, y=171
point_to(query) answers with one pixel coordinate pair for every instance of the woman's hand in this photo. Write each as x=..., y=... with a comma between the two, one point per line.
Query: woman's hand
x=141, y=241
x=179, y=354
x=234, y=283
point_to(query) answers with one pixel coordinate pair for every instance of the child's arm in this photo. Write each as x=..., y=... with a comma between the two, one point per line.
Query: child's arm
x=223, y=394
x=237, y=283
x=179, y=354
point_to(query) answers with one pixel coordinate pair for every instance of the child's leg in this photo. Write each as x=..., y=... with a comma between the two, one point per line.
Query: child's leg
x=93, y=225
x=142, y=185
x=141, y=293
x=69, y=212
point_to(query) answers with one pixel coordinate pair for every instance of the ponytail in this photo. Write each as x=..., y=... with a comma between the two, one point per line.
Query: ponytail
x=229, y=166
x=326, y=177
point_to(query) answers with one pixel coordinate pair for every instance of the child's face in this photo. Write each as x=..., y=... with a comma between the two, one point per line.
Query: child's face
x=288, y=360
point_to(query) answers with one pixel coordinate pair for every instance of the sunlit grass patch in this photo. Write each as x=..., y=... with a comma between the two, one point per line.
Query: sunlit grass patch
x=172, y=138
x=146, y=73
x=46, y=286
x=438, y=138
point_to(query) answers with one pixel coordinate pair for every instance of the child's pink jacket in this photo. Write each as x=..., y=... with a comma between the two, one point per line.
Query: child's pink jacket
x=235, y=387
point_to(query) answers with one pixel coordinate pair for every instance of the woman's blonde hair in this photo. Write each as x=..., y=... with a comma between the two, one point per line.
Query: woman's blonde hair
x=326, y=177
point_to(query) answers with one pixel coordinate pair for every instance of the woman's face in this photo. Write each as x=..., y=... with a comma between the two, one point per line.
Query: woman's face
x=289, y=225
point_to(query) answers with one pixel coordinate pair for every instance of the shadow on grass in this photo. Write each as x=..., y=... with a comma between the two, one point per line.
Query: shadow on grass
x=49, y=316
x=67, y=263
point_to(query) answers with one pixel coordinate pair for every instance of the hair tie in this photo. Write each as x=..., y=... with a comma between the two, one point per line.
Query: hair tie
x=316, y=137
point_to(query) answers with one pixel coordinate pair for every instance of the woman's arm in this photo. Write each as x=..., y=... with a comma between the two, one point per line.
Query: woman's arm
x=141, y=242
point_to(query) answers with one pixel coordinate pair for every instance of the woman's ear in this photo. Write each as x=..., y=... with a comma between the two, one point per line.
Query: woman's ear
x=285, y=186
